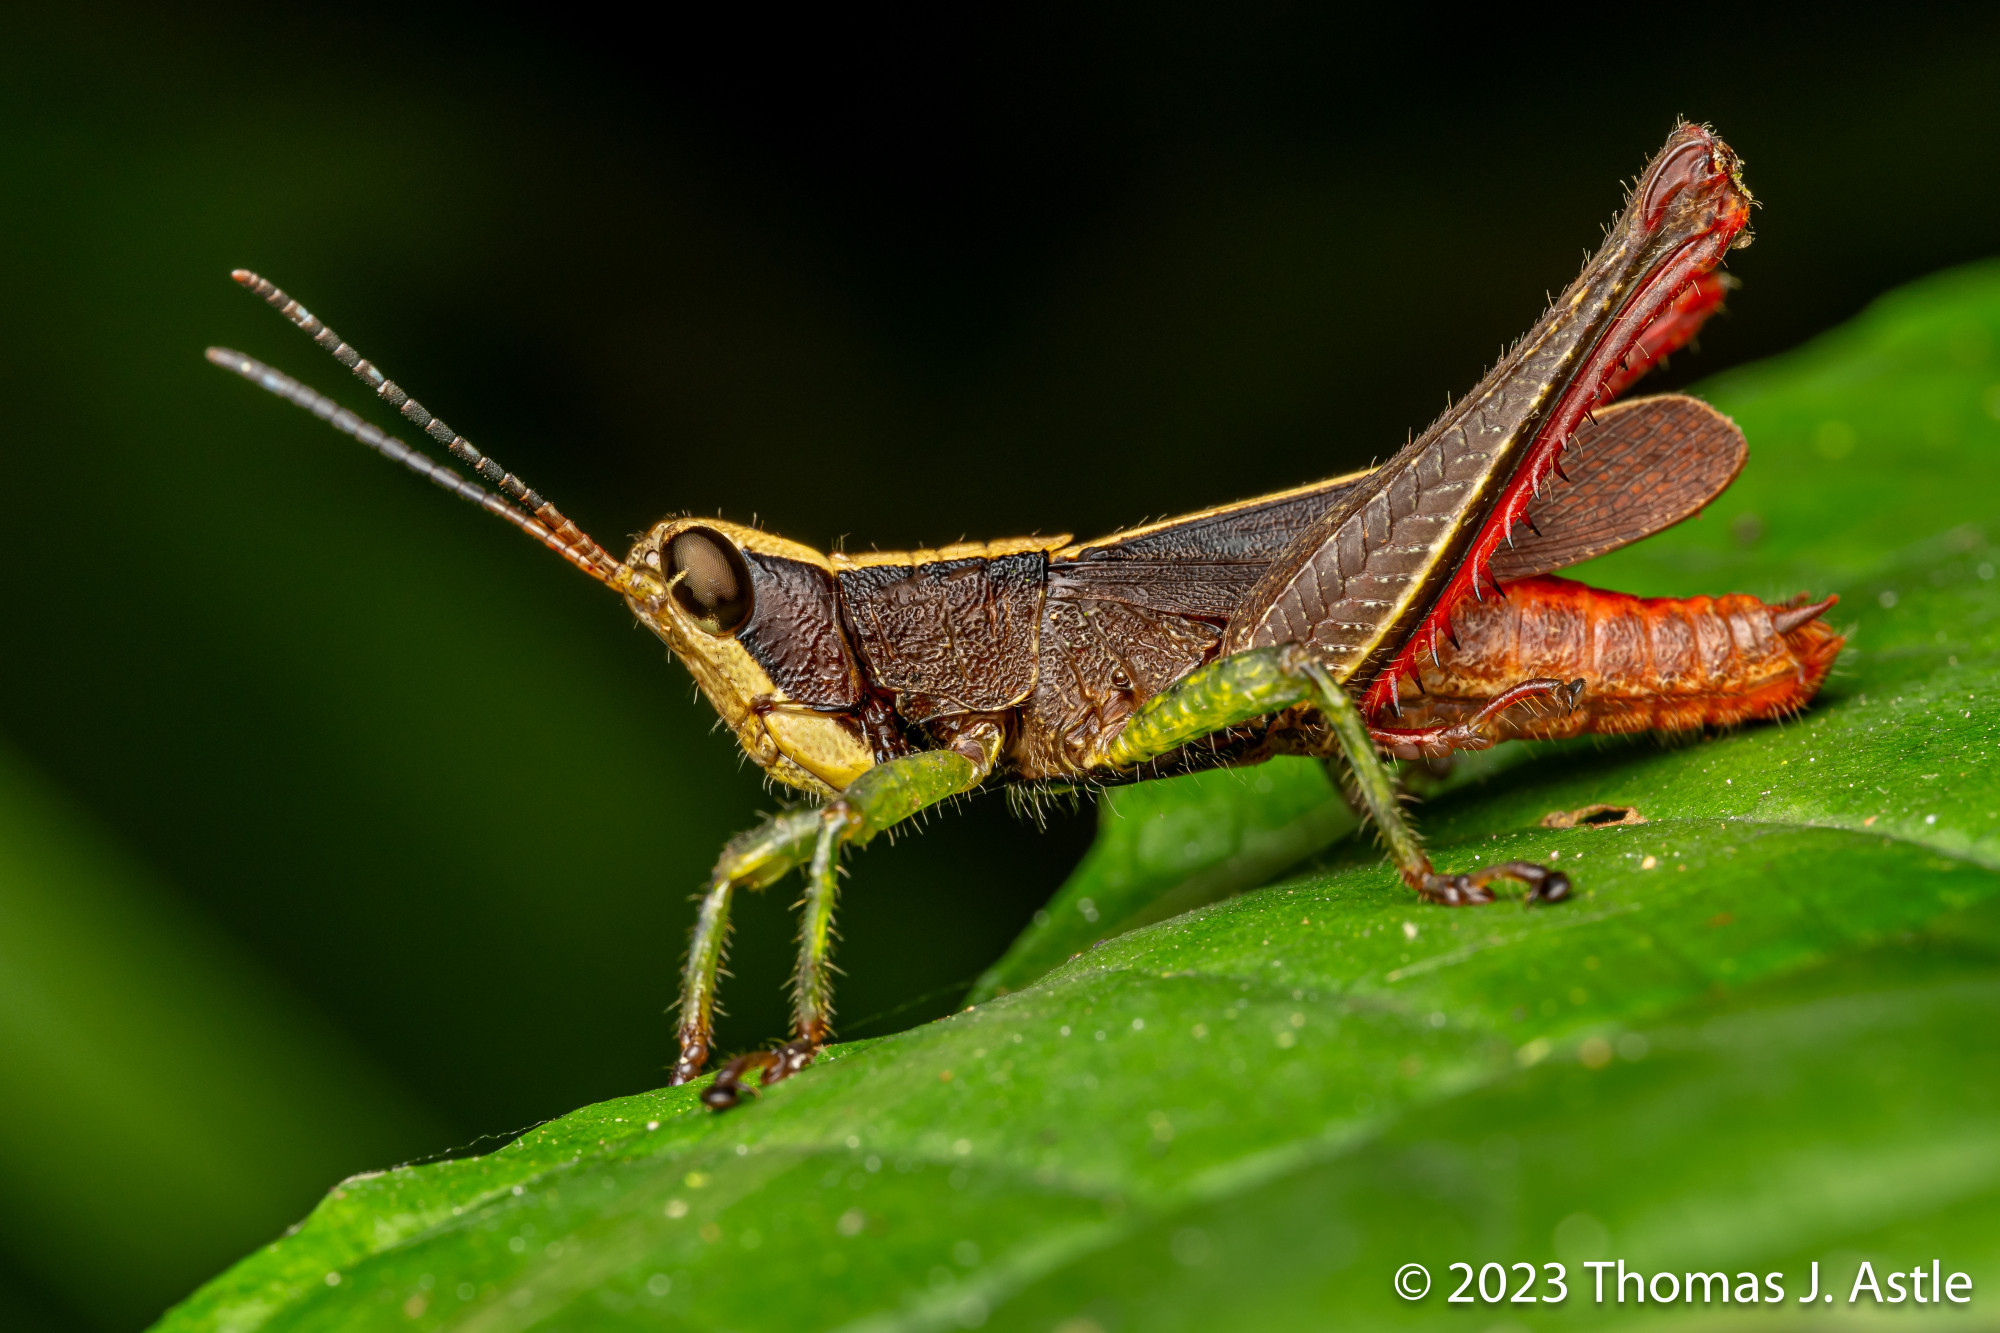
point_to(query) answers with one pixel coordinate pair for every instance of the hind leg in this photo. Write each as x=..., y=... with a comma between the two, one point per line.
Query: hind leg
x=1253, y=684
x=1379, y=793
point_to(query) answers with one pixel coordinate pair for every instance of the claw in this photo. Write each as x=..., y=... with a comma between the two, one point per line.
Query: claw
x=1455, y=891
x=792, y=1057
x=730, y=1084
x=1542, y=884
x=778, y=1065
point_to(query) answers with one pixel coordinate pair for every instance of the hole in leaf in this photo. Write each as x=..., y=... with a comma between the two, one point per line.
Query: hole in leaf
x=1593, y=816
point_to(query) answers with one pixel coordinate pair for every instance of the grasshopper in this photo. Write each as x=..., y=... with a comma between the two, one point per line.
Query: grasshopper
x=1294, y=623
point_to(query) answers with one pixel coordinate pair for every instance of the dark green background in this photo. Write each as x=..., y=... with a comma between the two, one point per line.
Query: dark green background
x=400, y=815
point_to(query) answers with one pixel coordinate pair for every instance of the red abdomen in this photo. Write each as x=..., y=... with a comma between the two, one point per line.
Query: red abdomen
x=1647, y=663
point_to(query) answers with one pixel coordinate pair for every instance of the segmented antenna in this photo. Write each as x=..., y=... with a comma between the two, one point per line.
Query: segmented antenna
x=368, y=433
x=460, y=448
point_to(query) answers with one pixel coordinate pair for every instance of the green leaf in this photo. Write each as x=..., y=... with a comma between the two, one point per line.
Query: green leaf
x=1167, y=847
x=1760, y=1037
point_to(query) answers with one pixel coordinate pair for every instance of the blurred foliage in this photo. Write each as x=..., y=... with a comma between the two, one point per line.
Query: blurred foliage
x=1758, y=1038
x=1129, y=259
x=140, y=1049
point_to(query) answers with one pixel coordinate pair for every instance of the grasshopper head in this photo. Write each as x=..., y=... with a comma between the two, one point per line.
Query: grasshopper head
x=756, y=621
x=755, y=618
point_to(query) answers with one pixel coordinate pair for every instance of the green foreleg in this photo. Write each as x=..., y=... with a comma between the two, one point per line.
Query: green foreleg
x=877, y=800
x=812, y=980
x=754, y=859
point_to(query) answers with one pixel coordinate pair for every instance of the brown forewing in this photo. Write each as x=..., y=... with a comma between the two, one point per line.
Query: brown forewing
x=1200, y=564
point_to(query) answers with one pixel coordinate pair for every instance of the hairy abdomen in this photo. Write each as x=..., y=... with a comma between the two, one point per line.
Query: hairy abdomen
x=1647, y=663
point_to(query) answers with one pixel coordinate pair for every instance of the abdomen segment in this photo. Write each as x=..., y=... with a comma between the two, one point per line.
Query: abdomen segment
x=1646, y=663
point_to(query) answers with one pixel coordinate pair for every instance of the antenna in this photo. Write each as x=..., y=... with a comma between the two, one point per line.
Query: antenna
x=563, y=535
x=368, y=433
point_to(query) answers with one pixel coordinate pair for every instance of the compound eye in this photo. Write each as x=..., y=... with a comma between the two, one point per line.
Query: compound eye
x=714, y=585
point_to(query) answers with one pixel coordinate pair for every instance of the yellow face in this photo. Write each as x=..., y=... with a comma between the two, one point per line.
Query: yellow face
x=707, y=598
